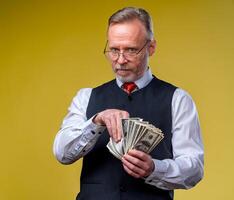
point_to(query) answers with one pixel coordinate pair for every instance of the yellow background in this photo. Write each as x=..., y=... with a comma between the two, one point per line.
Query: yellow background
x=50, y=49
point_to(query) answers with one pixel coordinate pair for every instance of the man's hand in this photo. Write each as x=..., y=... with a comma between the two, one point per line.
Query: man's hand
x=138, y=164
x=111, y=118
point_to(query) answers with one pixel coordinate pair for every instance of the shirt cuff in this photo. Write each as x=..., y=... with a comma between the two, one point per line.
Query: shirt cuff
x=160, y=169
x=91, y=131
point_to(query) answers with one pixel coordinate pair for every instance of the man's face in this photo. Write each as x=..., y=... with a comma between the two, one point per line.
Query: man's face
x=130, y=36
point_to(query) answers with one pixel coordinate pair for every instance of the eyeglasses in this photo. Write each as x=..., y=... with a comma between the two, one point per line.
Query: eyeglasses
x=129, y=54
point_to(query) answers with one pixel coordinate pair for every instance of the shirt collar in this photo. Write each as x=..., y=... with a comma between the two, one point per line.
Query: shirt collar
x=141, y=82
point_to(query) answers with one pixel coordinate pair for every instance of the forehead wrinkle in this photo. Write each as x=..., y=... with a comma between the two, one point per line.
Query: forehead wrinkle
x=127, y=33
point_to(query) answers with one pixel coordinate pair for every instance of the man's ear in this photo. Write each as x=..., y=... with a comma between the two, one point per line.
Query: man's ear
x=152, y=47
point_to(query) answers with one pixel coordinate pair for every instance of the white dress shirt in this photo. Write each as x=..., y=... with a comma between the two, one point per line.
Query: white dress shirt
x=78, y=136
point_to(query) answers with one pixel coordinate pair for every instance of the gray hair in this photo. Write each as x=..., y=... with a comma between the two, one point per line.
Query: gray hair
x=131, y=13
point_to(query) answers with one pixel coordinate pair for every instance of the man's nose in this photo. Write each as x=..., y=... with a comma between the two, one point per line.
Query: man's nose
x=121, y=59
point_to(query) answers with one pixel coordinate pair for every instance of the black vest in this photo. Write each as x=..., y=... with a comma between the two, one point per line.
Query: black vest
x=103, y=176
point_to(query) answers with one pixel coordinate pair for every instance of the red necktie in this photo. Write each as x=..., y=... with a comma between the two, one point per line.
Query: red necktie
x=129, y=87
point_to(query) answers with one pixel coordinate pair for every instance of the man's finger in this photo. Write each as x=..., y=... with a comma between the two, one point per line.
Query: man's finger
x=141, y=160
x=114, y=128
x=133, y=169
x=133, y=160
x=139, y=154
x=119, y=127
x=108, y=126
x=131, y=172
x=125, y=114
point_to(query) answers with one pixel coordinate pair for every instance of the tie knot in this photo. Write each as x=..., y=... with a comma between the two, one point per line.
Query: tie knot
x=129, y=87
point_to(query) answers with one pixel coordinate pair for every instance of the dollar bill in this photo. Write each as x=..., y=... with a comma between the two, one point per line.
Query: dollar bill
x=136, y=134
x=147, y=141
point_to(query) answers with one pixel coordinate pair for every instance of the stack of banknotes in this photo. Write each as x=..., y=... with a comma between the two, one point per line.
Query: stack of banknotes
x=136, y=134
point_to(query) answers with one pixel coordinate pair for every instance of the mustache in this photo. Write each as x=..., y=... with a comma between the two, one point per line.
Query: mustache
x=121, y=67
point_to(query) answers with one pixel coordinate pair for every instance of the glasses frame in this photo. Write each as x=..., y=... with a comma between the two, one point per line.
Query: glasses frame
x=105, y=51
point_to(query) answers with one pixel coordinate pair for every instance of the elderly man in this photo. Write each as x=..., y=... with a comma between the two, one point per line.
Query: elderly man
x=95, y=116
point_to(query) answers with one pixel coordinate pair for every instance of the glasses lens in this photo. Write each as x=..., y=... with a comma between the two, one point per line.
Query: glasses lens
x=111, y=56
x=129, y=55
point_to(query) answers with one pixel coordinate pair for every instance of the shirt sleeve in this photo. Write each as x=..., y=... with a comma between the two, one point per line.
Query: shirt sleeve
x=185, y=170
x=78, y=134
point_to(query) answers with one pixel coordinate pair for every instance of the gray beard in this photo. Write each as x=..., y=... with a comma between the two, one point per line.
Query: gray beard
x=125, y=79
x=122, y=79
x=129, y=78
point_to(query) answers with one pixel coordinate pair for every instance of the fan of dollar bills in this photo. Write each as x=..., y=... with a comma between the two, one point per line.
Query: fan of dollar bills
x=136, y=134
